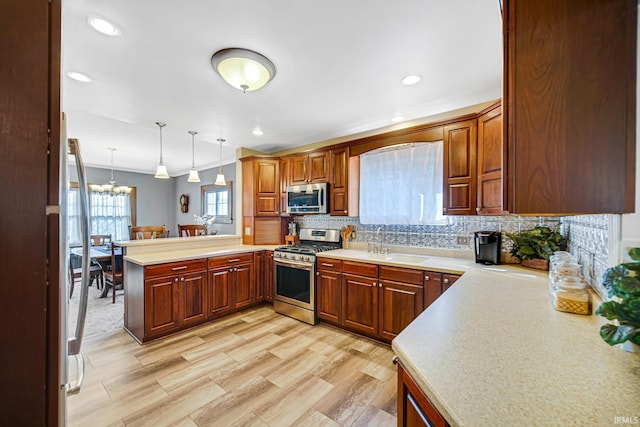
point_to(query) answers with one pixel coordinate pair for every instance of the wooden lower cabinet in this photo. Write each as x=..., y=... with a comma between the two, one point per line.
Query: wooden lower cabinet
x=329, y=291
x=375, y=300
x=448, y=280
x=414, y=408
x=269, y=279
x=174, y=296
x=231, y=284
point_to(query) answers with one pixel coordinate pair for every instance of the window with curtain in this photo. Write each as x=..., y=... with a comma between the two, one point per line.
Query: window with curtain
x=109, y=214
x=402, y=185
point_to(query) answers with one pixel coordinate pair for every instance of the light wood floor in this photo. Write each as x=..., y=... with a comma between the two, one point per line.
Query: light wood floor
x=255, y=368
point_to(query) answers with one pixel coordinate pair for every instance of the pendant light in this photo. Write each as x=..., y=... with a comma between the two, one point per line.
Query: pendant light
x=220, y=178
x=161, y=171
x=193, y=173
x=111, y=187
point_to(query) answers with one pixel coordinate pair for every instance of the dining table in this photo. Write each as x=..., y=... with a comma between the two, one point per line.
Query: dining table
x=101, y=255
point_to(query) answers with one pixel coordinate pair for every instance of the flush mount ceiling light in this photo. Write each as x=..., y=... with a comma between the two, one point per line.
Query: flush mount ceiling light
x=411, y=79
x=78, y=76
x=257, y=132
x=243, y=69
x=103, y=26
x=220, y=178
x=193, y=173
x=111, y=187
x=161, y=171
x=397, y=119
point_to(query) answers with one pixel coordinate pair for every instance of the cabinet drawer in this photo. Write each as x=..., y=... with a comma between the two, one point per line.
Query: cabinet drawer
x=222, y=261
x=360, y=268
x=175, y=268
x=327, y=264
x=399, y=274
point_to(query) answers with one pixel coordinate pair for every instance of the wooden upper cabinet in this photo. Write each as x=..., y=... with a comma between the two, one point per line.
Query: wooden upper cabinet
x=459, y=196
x=267, y=187
x=284, y=183
x=339, y=182
x=570, y=99
x=309, y=168
x=492, y=159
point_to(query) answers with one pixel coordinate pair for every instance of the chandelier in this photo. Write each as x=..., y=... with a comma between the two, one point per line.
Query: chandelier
x=111, y=187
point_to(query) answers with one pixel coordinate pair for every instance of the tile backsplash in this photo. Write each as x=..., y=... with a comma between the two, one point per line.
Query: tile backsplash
x=587, y=235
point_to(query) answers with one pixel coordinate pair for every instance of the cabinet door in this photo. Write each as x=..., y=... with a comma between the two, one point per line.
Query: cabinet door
x=432, y=287
x=570, y=109
x=318, y=167
x=298, y=170
x=284, y=183
x=400, y=303
x=161, y=313
x=459, y=196
x=492, y=156
x=339, y=182
x=269, y=288
x=448, y=280
x=414, y=408
x=192, y=302
x=329, y=296
x=267, y=175
x=219, y=292
x=259, y=264
x=243, y=286
x=360, y=299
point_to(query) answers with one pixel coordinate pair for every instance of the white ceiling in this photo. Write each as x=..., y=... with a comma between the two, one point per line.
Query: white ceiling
x=339, y=66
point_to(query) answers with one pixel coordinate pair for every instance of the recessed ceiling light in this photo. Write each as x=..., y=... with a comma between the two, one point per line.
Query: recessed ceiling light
x=103, y=26
x=397, y=119
x=78, y=76
x=257, y=132
x=412, y=79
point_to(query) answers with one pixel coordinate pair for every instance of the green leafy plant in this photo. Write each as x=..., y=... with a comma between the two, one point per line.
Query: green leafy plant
x=623, y=286
x=538, y=243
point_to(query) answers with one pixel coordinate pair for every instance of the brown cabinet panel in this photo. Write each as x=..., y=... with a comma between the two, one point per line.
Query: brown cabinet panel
x=360, y=268
x=339, y=182
x=360, y=303
x=318, y=167
x=193, y=289
x=267, y=185
x=329, y=296
x=570, y=112
x=174, y=268
x=161, y=305
x=492, y=157
x=224, y=261
x=448, y=280
x=244, y=286
x=219, y=292
x=269, y=285
x=432, y=287
x=284, y=183
x=298, y=168
x=460, y=145
x=400, y=274
x=400, y=303
x=259, y=269
x=414, y=408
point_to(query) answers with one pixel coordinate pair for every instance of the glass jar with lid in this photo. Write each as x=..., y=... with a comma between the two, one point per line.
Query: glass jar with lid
x=572, y=296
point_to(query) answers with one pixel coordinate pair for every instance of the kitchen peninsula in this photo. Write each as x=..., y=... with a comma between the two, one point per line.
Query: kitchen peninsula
x=492, y=351
x=176, y=283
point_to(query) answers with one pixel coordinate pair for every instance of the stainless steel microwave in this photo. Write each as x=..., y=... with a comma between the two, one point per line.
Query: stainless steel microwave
x=307, y=199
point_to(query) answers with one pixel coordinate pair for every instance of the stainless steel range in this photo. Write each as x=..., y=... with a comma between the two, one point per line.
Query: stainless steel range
x=295, y=273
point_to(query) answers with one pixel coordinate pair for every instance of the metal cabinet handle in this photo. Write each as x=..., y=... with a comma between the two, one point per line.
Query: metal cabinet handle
x=394, y=360
x=175, y=280
x=234, y=260
x=446, y=281
x=179, y=268
x=427, y=278
x=182, y=279
x=444, y=210
x=327, y=265
x=477, y=209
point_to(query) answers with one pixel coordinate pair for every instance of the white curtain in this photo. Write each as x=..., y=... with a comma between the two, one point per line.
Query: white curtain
x=402, y=185
x=110, y=214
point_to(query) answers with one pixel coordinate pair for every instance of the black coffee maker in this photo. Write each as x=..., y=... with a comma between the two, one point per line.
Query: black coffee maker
x=487, y=246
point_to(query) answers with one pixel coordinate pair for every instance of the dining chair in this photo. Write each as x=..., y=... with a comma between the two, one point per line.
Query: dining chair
x=100, y=239
x=147, y=232
x=192, y=230
x=95, y=273
x=113, y=275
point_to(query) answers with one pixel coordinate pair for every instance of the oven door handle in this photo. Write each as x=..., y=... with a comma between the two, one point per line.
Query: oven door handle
x=303, y=266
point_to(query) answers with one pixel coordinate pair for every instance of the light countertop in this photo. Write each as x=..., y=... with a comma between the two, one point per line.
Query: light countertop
x=182, y=254
x=492, y=351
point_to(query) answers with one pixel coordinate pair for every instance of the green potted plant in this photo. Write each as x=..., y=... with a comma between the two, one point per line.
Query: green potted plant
x=623, y=287
x=534, y=247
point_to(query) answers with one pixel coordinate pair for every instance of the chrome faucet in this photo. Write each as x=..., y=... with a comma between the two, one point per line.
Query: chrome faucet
x=376, y=247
